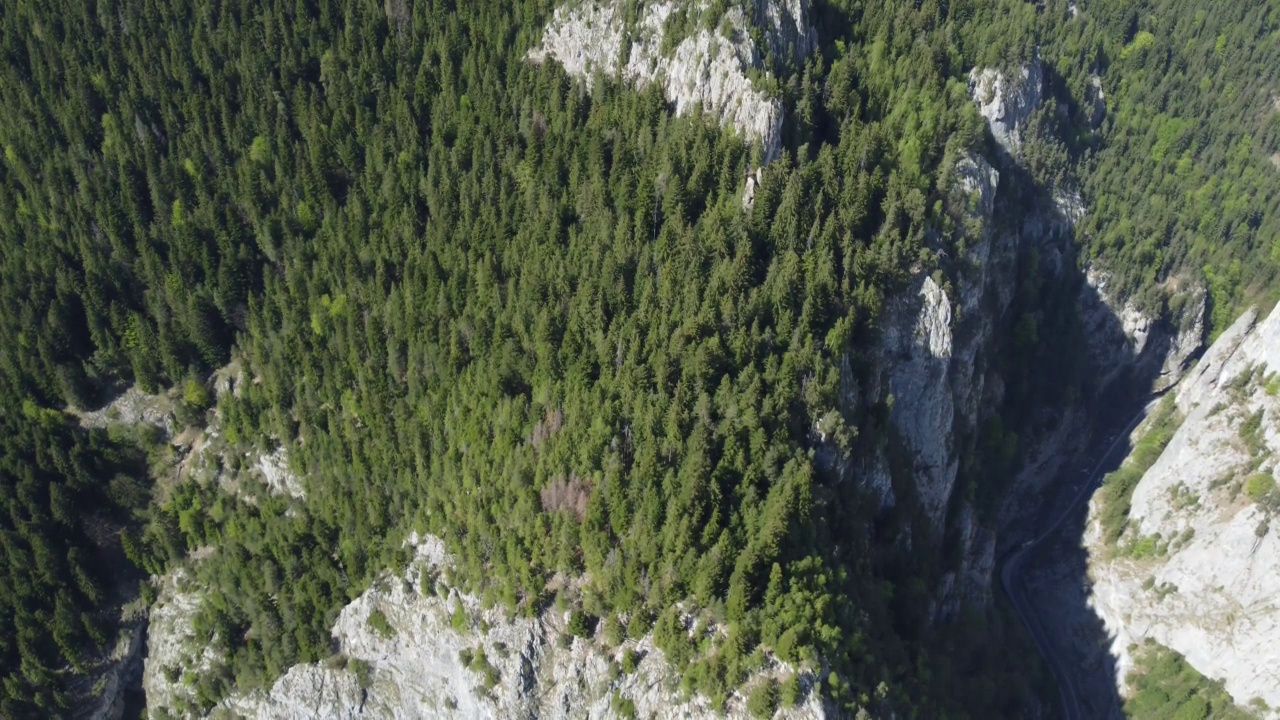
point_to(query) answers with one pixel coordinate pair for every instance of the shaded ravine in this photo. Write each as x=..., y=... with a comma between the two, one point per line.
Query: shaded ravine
x=1012, y=580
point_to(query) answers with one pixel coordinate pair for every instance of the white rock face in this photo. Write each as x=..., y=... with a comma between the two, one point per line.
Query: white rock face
x=133, y=407
x=786, y=25
x=931, y=364
x=1095, y=101
x=917, y=345
x=976, y=178
x=171, y=648
x=1215, y=596
x=1120, y=335
x=936, y=382
x=417, y=672
x=1133, y=326
x=707, y=69
x=121, y=670
x=1007, y=100
x=279, y=478
x=972, y=583
x=1187, y=340
x=1069, y=204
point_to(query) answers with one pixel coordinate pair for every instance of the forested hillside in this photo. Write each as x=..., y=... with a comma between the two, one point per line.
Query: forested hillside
x=1183, y=175
x=475, y=297
x=66, y=493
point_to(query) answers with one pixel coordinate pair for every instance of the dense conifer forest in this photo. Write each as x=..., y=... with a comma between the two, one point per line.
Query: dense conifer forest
x=478, y=298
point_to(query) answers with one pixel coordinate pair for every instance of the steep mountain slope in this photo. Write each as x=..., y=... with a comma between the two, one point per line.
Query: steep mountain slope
x=1194, y=568
x=929, y=371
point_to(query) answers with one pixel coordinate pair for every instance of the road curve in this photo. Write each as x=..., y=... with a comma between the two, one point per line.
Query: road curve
x=1014, y=588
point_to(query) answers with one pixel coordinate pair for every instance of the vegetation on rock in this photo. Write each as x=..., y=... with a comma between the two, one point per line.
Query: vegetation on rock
x=1118, y=486
x=1166, y=686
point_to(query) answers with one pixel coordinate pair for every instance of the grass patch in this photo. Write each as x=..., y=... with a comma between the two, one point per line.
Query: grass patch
x=1259, y=485
x=1251, y=433
x=1118, y=486
x=378, y=621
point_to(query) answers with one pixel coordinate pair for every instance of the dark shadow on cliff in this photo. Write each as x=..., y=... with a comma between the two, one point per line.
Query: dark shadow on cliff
x=1074, y=380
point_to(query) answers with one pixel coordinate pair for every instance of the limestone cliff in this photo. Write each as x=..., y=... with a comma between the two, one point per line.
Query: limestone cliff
x=934, y=350
x=1007, y=99
x=939, y=338
x=412, y=647
x=173, y=658
x=1196, y=568
x=1159, y=345
x=698, y=60
x=934, y=373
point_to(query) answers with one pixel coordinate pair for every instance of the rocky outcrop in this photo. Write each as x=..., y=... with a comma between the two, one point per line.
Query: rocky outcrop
x=1123, y=338
x=279, y=479
x=132, y=407
x=1095, y=102
x=939, y=336
x=1007, y=99
x=117, y=675
x=411, y=647
x=930, y=378
x=1195, y=570
x=174, y=660
x=917, y=342
x=710, y=67
x=754, y=178
x=932, y=373
x=971, y=583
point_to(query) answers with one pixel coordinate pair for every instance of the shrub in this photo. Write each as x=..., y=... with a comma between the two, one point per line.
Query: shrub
x=1251, y=433
x=629, y=661
x=1259, y=485
x=639, y=624
x=579, y=624
x=624, y=707
x=362, y=671
x=480, y=663
x=790, y=692
x=613, y=632
x=196, y=395
x=459, y=620
x=764, y=699
x=378, y=621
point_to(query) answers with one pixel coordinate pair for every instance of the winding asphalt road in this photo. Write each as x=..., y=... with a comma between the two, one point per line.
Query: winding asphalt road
x=1012, y=581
